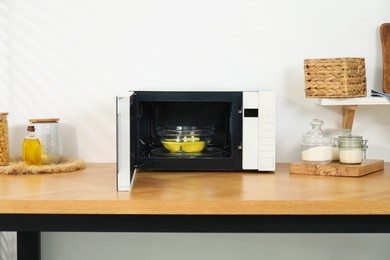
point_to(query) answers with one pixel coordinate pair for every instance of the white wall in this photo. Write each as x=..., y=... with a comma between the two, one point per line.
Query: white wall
x=71, y=58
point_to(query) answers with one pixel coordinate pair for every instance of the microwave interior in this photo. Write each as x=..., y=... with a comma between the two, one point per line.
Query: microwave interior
x=219, y=110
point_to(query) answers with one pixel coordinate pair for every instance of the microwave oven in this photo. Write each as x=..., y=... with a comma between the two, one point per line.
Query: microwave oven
x=239, y=127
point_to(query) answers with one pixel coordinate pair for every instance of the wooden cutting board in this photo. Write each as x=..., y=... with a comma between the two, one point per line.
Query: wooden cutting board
x=385, y=38
x=338, y=169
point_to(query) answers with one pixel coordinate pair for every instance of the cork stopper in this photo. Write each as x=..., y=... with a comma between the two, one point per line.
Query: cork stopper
x=31, y=128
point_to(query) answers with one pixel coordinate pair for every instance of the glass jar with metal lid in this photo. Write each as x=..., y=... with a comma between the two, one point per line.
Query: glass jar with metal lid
x=316, y=146
x=352, y=149
x=48, y=132
x=4, y=143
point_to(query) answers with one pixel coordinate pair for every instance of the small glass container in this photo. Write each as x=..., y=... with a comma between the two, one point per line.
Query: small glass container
x=4, y=143
x=31, y=148
x=48, y=132
x=352, y=149
x=185, y=139
x=335, y=133
x=316, y=146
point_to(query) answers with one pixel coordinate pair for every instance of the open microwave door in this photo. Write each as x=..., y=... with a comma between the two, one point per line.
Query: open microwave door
x=125, y=166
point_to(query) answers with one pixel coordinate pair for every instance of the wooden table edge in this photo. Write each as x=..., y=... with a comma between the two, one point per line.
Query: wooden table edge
x=140, y=207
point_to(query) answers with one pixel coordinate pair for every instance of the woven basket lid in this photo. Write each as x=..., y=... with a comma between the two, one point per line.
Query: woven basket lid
x=3, y=113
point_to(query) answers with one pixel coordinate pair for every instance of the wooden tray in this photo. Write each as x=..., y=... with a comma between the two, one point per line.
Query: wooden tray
x=338, y=169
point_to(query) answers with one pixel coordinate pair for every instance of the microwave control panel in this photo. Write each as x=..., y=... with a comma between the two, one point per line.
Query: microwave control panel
x=258, y=145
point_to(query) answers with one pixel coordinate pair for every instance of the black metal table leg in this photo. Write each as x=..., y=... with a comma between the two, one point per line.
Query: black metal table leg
x=29, y=245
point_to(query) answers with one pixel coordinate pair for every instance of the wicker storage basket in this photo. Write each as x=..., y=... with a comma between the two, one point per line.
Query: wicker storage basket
x=335, y=78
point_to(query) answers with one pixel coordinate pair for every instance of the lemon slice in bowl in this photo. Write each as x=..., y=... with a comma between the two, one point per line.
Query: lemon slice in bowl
x=172, y=146
x=193, y=147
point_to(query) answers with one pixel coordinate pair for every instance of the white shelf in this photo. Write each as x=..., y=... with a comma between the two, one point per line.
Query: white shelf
x=353, y=101
x=350, y=105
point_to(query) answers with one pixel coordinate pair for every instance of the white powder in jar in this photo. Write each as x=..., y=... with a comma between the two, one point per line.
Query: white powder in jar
x=354, y=155
x=318, y=153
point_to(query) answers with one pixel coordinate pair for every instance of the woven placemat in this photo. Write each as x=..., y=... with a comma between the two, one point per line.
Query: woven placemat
x=64, y=165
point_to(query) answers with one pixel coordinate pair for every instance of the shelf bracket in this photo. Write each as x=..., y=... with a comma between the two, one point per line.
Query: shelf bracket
x=348, y=115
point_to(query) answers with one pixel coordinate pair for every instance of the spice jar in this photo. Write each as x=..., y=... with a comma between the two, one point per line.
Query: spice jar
x=4, y=145
x=352, y=149
x=48, y=132
x=334, y=134
x=316, y=146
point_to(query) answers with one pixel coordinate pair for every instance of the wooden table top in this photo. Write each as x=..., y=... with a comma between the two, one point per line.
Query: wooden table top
x=93, y=191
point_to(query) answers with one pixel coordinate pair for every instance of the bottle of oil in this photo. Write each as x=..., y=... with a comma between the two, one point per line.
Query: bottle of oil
x=31, y=152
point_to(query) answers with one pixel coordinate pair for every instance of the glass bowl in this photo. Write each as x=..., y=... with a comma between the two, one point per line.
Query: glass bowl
x=185, y=139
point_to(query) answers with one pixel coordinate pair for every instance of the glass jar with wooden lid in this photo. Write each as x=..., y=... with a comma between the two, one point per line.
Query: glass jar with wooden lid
x=48, y=132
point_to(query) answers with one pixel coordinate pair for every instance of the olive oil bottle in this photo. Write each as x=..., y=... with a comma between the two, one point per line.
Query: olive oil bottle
x=31, y=151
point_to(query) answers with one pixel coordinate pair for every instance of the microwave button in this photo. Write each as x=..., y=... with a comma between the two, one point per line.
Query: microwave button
x=266, y=162
x=267, y=134
x=267, y=148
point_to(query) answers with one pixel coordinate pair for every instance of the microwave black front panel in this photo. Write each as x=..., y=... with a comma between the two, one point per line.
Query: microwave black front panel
x=216, y=114
x=222, y=110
